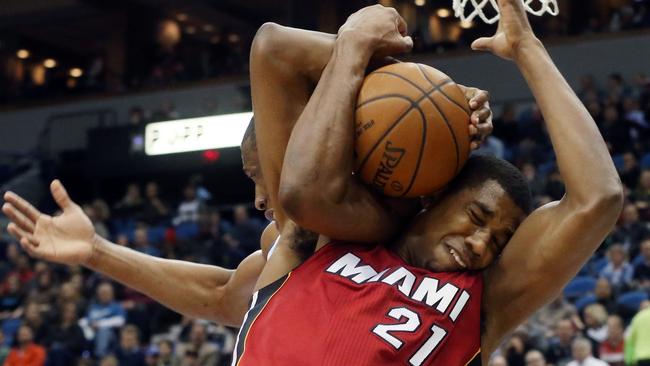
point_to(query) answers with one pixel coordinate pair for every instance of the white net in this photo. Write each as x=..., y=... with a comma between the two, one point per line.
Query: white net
x=488, y=10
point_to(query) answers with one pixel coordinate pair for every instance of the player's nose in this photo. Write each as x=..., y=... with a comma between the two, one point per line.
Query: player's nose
x=477, y=243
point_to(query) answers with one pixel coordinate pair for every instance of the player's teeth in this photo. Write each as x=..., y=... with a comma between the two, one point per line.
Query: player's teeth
x=457, y=258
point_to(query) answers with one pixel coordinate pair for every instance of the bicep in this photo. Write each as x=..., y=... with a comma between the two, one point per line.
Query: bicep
x=546, y=251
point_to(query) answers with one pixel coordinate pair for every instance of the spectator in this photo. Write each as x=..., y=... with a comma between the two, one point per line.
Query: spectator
x=595, y=323
x=69, y=292
x=245, y=230
x=154, y=210
x=100, y=226
x=34, y=319
x=559, y=349
x=498, y=360
x=605, y=295
x=166, y=355
x=637, y=347
x=141, y=242
x=129, y=352
x=642, y=268
x=614, y=130
x=618, y=271
x=516, y=349
x=611, y=349
x=12, y=296
x=188, y=210
x=582, y=356
x=207, y=353
x=43, y=291
x=103, y=318
x=535, y=182
x=137, y=116
x=631, y=230
x=630, y=172
x=131, y=204
x=109, y=360
x=535, y=358
x=11, y=259
x=506, y=127
x=65, y=339
x=26, y=352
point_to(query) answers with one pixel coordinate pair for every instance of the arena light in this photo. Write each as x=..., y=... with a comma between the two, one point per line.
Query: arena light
x=22, y=54
x=195, y=134
x=466, y=24
x=443, y=13
x=76, y=72
x=181, y=17
x=420, y=2
x=49, y=63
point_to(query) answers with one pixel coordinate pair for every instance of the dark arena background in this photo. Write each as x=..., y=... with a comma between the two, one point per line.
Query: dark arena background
x=139, y=108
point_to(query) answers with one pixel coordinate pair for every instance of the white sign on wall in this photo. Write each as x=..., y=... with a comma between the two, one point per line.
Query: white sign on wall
x=195, y=134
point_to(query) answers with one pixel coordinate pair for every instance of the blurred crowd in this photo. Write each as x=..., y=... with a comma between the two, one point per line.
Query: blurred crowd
x=57, y=315
x=165, y=62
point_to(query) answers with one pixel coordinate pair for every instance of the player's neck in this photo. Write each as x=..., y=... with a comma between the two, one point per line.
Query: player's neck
x=403, y=250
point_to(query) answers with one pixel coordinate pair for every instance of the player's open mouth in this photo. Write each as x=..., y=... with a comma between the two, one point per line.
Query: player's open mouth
x=457, y=258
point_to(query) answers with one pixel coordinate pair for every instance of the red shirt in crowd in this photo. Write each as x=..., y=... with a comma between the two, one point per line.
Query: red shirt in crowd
x=31, y=355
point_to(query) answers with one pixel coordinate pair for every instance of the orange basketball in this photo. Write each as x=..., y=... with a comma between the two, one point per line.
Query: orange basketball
x=411, y=129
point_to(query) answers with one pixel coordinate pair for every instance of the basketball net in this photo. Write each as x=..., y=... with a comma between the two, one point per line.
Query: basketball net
x=480, y=8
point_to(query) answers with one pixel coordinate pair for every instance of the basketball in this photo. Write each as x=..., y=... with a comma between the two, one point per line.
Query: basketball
x=411, y=130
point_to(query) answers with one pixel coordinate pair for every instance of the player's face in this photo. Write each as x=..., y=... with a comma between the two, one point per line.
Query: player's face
x=252, y=169
x=465, y=230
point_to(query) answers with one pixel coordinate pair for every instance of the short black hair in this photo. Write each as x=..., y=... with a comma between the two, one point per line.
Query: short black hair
x=481, y=168
x=249, y=134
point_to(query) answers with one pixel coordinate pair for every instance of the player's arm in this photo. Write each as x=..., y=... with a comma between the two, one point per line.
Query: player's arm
x=192, y=289
x=286, y=64
x=317, y=188
x=551, y=245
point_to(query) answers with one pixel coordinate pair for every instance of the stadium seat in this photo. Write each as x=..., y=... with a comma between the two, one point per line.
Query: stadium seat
x=645, y=161
x=585, y=301
x=632, y=300
x=187, y=231
x=637, y=260
x=546, y=168
x=598, y=265
x=579, y=286
x=618, y=161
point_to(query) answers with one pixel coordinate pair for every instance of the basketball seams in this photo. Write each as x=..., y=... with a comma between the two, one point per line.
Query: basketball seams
x=444, y=117
x=422, y=144
x=380, y=97
x=442, y=91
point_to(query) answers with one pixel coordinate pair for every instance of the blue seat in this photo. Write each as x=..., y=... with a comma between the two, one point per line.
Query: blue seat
x=187, y=231
x=637, y=260
x=645, y=161
x=546, y=168
x=598, y=265
x=585, y=301
x=579, y=286
x=632, y=300
x=156, y=234
x=618, y=161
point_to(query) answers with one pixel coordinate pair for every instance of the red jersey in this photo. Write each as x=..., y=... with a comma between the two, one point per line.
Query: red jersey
x=353, y=305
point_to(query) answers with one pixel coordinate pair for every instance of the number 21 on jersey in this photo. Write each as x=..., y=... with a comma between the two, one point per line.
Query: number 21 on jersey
x=410, y=322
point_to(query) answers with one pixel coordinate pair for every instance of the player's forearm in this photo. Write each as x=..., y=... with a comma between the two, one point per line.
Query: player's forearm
x=320, y=151
x=582, y=156
x=188, y=288
x=285, y=64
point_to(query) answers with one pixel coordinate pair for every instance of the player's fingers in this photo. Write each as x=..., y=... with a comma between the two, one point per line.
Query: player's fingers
x=482, y=116
x=473, y=131
x=60, y=195
x=480, y=98
x=402, y=27
x=21, y=235
x=482, y=44
x=484, y=130
x=23, y=206
x=18, y=218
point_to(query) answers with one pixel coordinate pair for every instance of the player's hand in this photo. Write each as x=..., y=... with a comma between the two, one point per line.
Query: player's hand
x=513, y=33
x=68, y=238
x=380, y=28
x=480, y=126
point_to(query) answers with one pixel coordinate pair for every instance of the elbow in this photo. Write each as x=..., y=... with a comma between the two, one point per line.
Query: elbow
x=266, y=44
x=606, y=204
x=296, y=201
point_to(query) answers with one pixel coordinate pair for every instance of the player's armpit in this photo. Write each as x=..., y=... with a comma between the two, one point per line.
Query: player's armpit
x=546, y=251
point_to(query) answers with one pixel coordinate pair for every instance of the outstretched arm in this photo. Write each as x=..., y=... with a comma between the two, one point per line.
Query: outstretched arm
x=551, y=245
x=196, y=290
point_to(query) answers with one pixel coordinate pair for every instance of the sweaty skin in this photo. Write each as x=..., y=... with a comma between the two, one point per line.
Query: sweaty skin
x=318, y=191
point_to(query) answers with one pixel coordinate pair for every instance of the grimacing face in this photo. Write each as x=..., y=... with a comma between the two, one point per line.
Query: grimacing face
x=464, y=230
